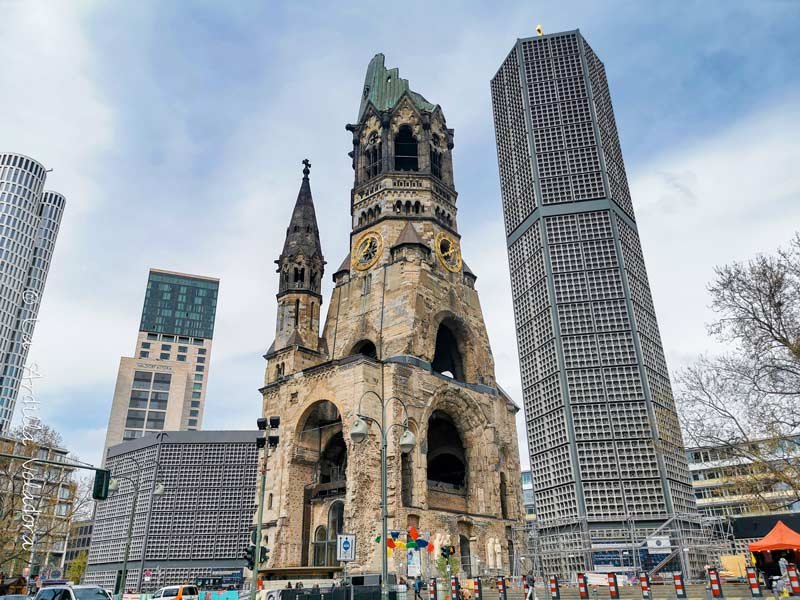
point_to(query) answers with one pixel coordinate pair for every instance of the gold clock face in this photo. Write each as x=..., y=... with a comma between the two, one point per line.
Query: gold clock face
x=448, y=252
x=368, y=250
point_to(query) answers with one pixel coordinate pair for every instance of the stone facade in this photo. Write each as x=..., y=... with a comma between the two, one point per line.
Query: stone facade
x=404, y=324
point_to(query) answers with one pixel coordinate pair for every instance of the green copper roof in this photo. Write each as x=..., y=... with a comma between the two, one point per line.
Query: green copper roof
x=384, y=87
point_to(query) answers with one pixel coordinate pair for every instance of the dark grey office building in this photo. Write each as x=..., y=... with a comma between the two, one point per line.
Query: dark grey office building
x=199, y=527
x=607, y=455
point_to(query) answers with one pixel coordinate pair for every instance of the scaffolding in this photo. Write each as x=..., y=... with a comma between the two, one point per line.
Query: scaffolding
x=683, y=543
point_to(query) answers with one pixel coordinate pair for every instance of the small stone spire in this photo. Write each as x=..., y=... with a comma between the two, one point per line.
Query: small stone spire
x=301, y=263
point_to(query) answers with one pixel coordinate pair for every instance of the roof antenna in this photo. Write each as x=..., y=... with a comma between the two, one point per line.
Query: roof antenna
x=539, y=30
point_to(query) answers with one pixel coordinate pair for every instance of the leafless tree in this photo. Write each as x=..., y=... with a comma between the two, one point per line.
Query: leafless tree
x=747, y=400
x=32, y=514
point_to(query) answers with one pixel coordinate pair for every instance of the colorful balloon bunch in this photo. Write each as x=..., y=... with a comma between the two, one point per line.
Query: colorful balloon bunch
x=412, y=541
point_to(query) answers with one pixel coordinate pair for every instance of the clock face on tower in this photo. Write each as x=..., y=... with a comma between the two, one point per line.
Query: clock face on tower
x=448, y=252
x=368, y=250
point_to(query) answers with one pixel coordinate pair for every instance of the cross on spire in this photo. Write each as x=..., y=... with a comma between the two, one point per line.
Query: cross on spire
x=306, y=168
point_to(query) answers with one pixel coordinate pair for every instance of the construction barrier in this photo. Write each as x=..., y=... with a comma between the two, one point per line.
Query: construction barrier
x=477, y=588
x=453, y=587
x=583, y=586
x=613, y=587
x=716, y=583
x=794, y=582
x=502, y=591
x=680, y=588
x=432, y=593
x=644, y=581
x=752, y=582
x=555, y=592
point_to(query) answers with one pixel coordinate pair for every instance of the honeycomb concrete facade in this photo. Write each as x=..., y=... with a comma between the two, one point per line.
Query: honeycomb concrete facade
x=405, y=325
x=607, y=455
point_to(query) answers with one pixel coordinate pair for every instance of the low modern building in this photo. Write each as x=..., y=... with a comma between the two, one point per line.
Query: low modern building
x=201, y=524
x=34, y=497
x=80, y=536
x=163, y=386
x=528, y=501
x=732, y=481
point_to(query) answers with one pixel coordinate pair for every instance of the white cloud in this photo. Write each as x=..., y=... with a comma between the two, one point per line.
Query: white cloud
x=708, y=203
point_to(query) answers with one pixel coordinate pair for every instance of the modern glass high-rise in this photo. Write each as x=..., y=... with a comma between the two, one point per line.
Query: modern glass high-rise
x=606, y=449
x=29, y=222
x=163, y=387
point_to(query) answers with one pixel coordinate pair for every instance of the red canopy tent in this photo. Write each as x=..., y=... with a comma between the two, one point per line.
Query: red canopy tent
x=781, y=537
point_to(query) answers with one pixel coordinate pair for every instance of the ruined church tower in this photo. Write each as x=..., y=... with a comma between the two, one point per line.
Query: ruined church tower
x=404, y=327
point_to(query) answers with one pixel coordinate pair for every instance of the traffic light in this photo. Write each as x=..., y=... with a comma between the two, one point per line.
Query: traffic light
x=452, y=550
x=264, y=555
x=102, y=478
x=445, y=552
x=249, y=556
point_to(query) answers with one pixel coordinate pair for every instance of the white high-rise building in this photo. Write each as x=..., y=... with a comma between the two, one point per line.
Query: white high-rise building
x=29, y=222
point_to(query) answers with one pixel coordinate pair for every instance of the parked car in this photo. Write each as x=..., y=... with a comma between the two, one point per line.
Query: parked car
x=73, y=592
x=184, y=592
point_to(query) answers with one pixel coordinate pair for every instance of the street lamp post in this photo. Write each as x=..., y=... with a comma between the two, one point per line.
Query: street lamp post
x=113, y=486
x=268, y=442
x=358, y=433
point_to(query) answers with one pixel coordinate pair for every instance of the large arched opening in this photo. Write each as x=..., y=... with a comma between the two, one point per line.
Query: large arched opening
x=365, y=348
x=446, y=458
x=320, y=463
x=447, y=358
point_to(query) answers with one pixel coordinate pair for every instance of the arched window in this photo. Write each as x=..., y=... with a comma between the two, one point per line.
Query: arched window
x=398, y=206
x=373, y=156
x=447, y=357
x=320, y=541
x=370, y=215
x=405, y=150
x=269, y=502
x=416, y=207
x=436, y=158
x=335, y=527
x=366, y=348
x=447, y=459
x=408, y=207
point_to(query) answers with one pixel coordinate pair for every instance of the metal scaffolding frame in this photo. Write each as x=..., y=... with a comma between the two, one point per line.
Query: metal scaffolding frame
x=567, y=547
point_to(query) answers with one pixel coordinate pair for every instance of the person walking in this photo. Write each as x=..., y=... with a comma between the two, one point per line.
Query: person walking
x=417, y=588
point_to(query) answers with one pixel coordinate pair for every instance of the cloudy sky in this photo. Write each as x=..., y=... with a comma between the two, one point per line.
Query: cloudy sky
x=176, y=131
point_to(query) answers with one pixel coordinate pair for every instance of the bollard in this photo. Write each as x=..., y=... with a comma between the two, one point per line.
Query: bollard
x=583, y=586
x=680, y=588
x=432, y=593
x=794, y=581
x=555, y=592
x=453, y=587
x=502, y=593
x=752, y=582
x=716, y=584
x=477, y=588
x=644, y=581
x=613, y=587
